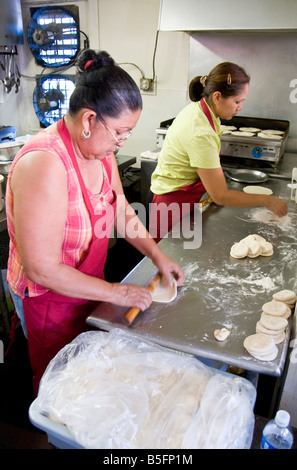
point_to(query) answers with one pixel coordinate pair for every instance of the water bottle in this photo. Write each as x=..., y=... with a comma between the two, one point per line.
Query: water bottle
x=277, y=434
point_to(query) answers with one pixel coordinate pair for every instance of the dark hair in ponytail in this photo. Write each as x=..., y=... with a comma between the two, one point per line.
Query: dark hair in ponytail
x=103, y=86
x=227, y=78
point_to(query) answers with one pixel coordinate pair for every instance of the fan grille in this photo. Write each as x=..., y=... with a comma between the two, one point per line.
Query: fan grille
x=65, y=85
x=53, y=36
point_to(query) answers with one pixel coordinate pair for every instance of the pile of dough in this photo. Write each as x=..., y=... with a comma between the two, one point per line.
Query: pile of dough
x=239, y=250
x=276, y=309
x=261, y=346
x=221, y=334
x=287, y=296
x=251, y=246
x=272, y=326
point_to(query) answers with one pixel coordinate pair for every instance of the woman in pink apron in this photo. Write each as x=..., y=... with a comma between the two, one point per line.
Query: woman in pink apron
x=64, y=195
x=189, y=162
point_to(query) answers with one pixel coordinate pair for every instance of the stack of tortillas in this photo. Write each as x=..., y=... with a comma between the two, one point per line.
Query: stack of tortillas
x=251, y=246
x=272, y=326
x=261, y=347
x=276, y=309
x=287, y=296
x=270, y=329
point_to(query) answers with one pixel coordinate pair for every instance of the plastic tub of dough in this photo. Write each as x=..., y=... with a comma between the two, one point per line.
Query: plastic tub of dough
x=57, y=434
x=116, y=390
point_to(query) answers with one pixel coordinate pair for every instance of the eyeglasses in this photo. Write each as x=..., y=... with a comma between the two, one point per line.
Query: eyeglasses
x=121, y=139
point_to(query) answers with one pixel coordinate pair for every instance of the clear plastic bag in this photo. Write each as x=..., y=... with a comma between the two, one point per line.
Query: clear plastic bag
x=117, y=391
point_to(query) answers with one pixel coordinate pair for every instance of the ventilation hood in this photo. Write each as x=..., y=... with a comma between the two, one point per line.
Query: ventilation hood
x=228, y=15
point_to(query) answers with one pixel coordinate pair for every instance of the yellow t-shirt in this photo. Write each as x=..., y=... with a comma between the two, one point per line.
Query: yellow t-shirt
x=190, y=143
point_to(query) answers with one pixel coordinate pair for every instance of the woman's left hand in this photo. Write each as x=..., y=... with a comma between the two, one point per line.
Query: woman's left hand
x=169, y=268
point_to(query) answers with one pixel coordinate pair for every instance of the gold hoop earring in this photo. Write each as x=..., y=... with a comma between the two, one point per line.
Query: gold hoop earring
x=85, y=135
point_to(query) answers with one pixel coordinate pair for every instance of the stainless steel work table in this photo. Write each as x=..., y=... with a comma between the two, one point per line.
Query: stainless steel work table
x=219, y=291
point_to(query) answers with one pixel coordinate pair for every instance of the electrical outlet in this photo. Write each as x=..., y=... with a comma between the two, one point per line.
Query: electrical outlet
x=148, y=86
x=145, y=84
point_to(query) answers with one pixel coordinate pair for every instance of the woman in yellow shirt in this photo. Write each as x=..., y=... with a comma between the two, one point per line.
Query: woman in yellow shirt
x=189, y=162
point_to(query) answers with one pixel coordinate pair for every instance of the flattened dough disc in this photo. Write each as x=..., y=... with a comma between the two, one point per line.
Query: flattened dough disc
x=164, y=293
x=257, y=190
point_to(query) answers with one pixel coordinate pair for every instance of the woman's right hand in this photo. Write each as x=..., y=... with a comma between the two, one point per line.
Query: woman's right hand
x=277, y=205
x=131, y=295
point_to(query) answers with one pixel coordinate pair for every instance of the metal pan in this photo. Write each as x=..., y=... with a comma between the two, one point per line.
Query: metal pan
x=247, y=176
x=8, y=150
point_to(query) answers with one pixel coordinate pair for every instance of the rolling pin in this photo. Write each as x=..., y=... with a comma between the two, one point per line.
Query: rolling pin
x=132, y=313
x=205, y=202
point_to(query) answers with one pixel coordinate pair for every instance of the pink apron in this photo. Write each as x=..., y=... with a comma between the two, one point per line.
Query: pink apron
x=181, y=201
x=53, y=320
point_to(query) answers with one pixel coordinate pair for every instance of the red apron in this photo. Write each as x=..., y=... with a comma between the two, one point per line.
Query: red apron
x=53, y=320
x=181, y=201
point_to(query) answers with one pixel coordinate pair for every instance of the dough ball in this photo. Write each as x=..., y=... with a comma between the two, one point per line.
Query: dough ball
x=259, y=238
x=221, y=334
x=254, y=249
x=248, y=239
x=239, y=250
x=267, y=248
x=256, y=246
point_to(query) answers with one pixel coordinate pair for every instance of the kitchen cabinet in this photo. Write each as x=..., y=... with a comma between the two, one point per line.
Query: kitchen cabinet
x=230, y=15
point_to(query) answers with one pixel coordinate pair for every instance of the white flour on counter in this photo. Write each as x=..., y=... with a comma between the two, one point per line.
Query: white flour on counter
x=221, y=277
x=268, y=217
x=285, y=224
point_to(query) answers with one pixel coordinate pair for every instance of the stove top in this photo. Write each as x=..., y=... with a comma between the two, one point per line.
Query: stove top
x=256, y=145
